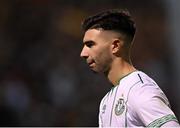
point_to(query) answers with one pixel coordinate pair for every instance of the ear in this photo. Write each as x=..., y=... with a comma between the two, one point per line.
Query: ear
x=116, y=46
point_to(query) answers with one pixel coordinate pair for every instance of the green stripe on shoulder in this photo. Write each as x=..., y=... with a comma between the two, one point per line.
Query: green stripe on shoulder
x=159, y=122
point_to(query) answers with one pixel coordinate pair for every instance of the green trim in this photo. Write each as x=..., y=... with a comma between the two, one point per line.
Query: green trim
x=159, y=122
x=117, y=82
x=112, y=108
x=112, y=89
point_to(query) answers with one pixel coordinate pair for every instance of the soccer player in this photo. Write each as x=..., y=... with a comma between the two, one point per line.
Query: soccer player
x=135, y=100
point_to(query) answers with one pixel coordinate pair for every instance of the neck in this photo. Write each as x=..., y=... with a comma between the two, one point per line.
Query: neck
x=119, y=69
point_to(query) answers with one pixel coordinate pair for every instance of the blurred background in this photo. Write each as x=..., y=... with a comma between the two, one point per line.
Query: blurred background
x=44, y=82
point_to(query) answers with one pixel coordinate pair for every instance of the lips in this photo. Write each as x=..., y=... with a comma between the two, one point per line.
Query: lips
x=90, y=63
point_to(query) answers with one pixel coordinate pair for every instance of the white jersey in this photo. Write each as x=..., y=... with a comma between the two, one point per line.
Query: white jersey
x=136, y=101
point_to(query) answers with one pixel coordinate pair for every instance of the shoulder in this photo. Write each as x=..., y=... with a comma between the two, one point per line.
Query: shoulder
x=139, y=85
x=146, y=91
x=148, y=102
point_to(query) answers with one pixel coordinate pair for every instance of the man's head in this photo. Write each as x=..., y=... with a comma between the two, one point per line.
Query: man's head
x=107, y=35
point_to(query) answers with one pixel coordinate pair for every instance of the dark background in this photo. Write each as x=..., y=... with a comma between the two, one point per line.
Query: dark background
x=44, y=82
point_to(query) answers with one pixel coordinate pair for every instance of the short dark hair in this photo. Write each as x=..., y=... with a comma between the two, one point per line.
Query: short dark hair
x=115, y=19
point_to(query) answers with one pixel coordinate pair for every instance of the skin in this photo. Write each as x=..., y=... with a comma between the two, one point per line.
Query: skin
x=105, y=52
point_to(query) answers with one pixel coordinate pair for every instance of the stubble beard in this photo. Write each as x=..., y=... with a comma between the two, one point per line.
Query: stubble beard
x=102, y=67
x=103, y=70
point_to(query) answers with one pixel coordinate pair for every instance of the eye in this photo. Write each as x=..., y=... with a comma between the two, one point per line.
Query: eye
x=89, y=44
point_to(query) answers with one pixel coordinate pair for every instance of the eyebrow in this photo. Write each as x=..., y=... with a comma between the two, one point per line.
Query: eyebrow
x=89, y=41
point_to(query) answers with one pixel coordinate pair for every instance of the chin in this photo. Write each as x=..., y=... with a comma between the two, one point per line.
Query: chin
x=94, y=70
x=98, y=71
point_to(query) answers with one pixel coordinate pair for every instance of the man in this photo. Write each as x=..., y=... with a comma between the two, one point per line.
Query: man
x=135, y=100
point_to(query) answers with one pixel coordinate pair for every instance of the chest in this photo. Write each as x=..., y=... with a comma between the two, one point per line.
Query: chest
x=113, y=109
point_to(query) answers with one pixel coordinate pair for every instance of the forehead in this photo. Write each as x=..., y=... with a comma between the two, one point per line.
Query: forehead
x=96, y=34
x=91, y=34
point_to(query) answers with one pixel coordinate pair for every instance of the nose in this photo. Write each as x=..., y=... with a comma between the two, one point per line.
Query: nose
x=84, y=52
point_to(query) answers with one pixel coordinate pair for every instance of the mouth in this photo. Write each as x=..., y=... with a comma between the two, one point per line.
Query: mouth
x=91, y=63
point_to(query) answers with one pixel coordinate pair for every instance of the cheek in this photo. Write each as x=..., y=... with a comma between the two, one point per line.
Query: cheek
x=104, y=55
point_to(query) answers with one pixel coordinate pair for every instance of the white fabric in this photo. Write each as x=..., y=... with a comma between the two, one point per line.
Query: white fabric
x=136, y=102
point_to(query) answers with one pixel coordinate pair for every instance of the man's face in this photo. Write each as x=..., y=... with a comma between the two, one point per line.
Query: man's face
x=97, y=50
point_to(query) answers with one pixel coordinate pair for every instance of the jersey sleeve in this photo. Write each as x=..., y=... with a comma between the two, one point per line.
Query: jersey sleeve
x=151, y=106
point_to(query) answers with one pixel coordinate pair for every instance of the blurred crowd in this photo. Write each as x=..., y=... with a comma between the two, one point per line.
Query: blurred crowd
x=44, y=82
